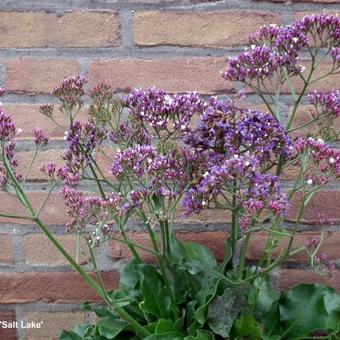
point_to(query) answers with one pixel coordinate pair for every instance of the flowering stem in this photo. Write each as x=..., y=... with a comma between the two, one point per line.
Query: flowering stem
x=30, y=166
x=234, y=231
x=243, y=255
x=24, y=200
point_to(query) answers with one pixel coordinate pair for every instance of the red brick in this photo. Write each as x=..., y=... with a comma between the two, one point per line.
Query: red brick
x=25, y=157
x=53, y=213
x=324, y=202
x=38, y=75
x=6, y=249
x=7, y=333
x=174, y=75
x=293, y=277
x=53, y=323
x=58, y=287
x=214, y=240
x=27, y=117
x=39, y=250
x=330, y=245
x=185, y=28
x=74, y=29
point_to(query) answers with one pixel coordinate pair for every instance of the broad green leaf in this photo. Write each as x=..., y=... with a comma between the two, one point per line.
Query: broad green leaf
x=264, y=296
x=69, y=335
x=193, y=253
x=247, y=327
x=129, y=277
x=109, y=327
x=179, y=323
x=202, y=255
x=156, y=300
x=164, y=326
x=224, y=309
x=306, y=308
x=201, y=335
x=166, y=336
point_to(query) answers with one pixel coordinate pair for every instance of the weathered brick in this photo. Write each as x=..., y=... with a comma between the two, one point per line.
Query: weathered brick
x=174, y=75
x=330, y=245
x=53, y=323
x=27, y=117
x=214, y=240
x=74, y=29
x=323, y=202
x=58, y=287
x=38, y=75
x=54, y=211
x=25, y=157
x=38, y=250
x=293, y=277
x=6, y=249
x=8, y=333
x=184, y=28
x=301, y=14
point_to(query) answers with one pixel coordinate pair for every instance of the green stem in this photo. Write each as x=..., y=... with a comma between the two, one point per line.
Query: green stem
x=86, y=277
x=243, y=255
x=30, y=166
x=234, y=229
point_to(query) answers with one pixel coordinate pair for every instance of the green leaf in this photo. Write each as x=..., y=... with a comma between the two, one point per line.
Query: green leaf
x=199, y=254
x=79, y=332
x=228, y=254
x=224, y=309
x=156, y=300
x=306, y=308
x=129, y=277
x=69, y=335
x=265, y=296
x=164, y=326
x=201, y=335
x=190, y=252
x=247, y=326
x=166, y=336
x=109, y=327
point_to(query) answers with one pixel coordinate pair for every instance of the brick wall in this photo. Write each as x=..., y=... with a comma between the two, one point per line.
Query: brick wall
x=180, y=45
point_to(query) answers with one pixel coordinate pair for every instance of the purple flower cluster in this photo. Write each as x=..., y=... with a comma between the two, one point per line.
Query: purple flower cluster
x=90, y=209
x=270, y=48
x=8, y=132
x=82, y=140
x=49, y=169
x=40, y=138
x=100, y=109
x=274, y=47
x=239, y=145
x=257, y=191
x=163, y=111
x=228, y=129
x=324, y=162
x=324, y=27
x=326, y=103
x=162, y=175
x=70, y=93
x=129, y=133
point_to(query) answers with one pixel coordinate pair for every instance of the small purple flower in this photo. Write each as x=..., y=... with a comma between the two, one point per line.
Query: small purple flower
x=164, y=112
x=8, y=130
x=40, y=138
x=49, y=169
x=326, y=103
x=70, y=92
